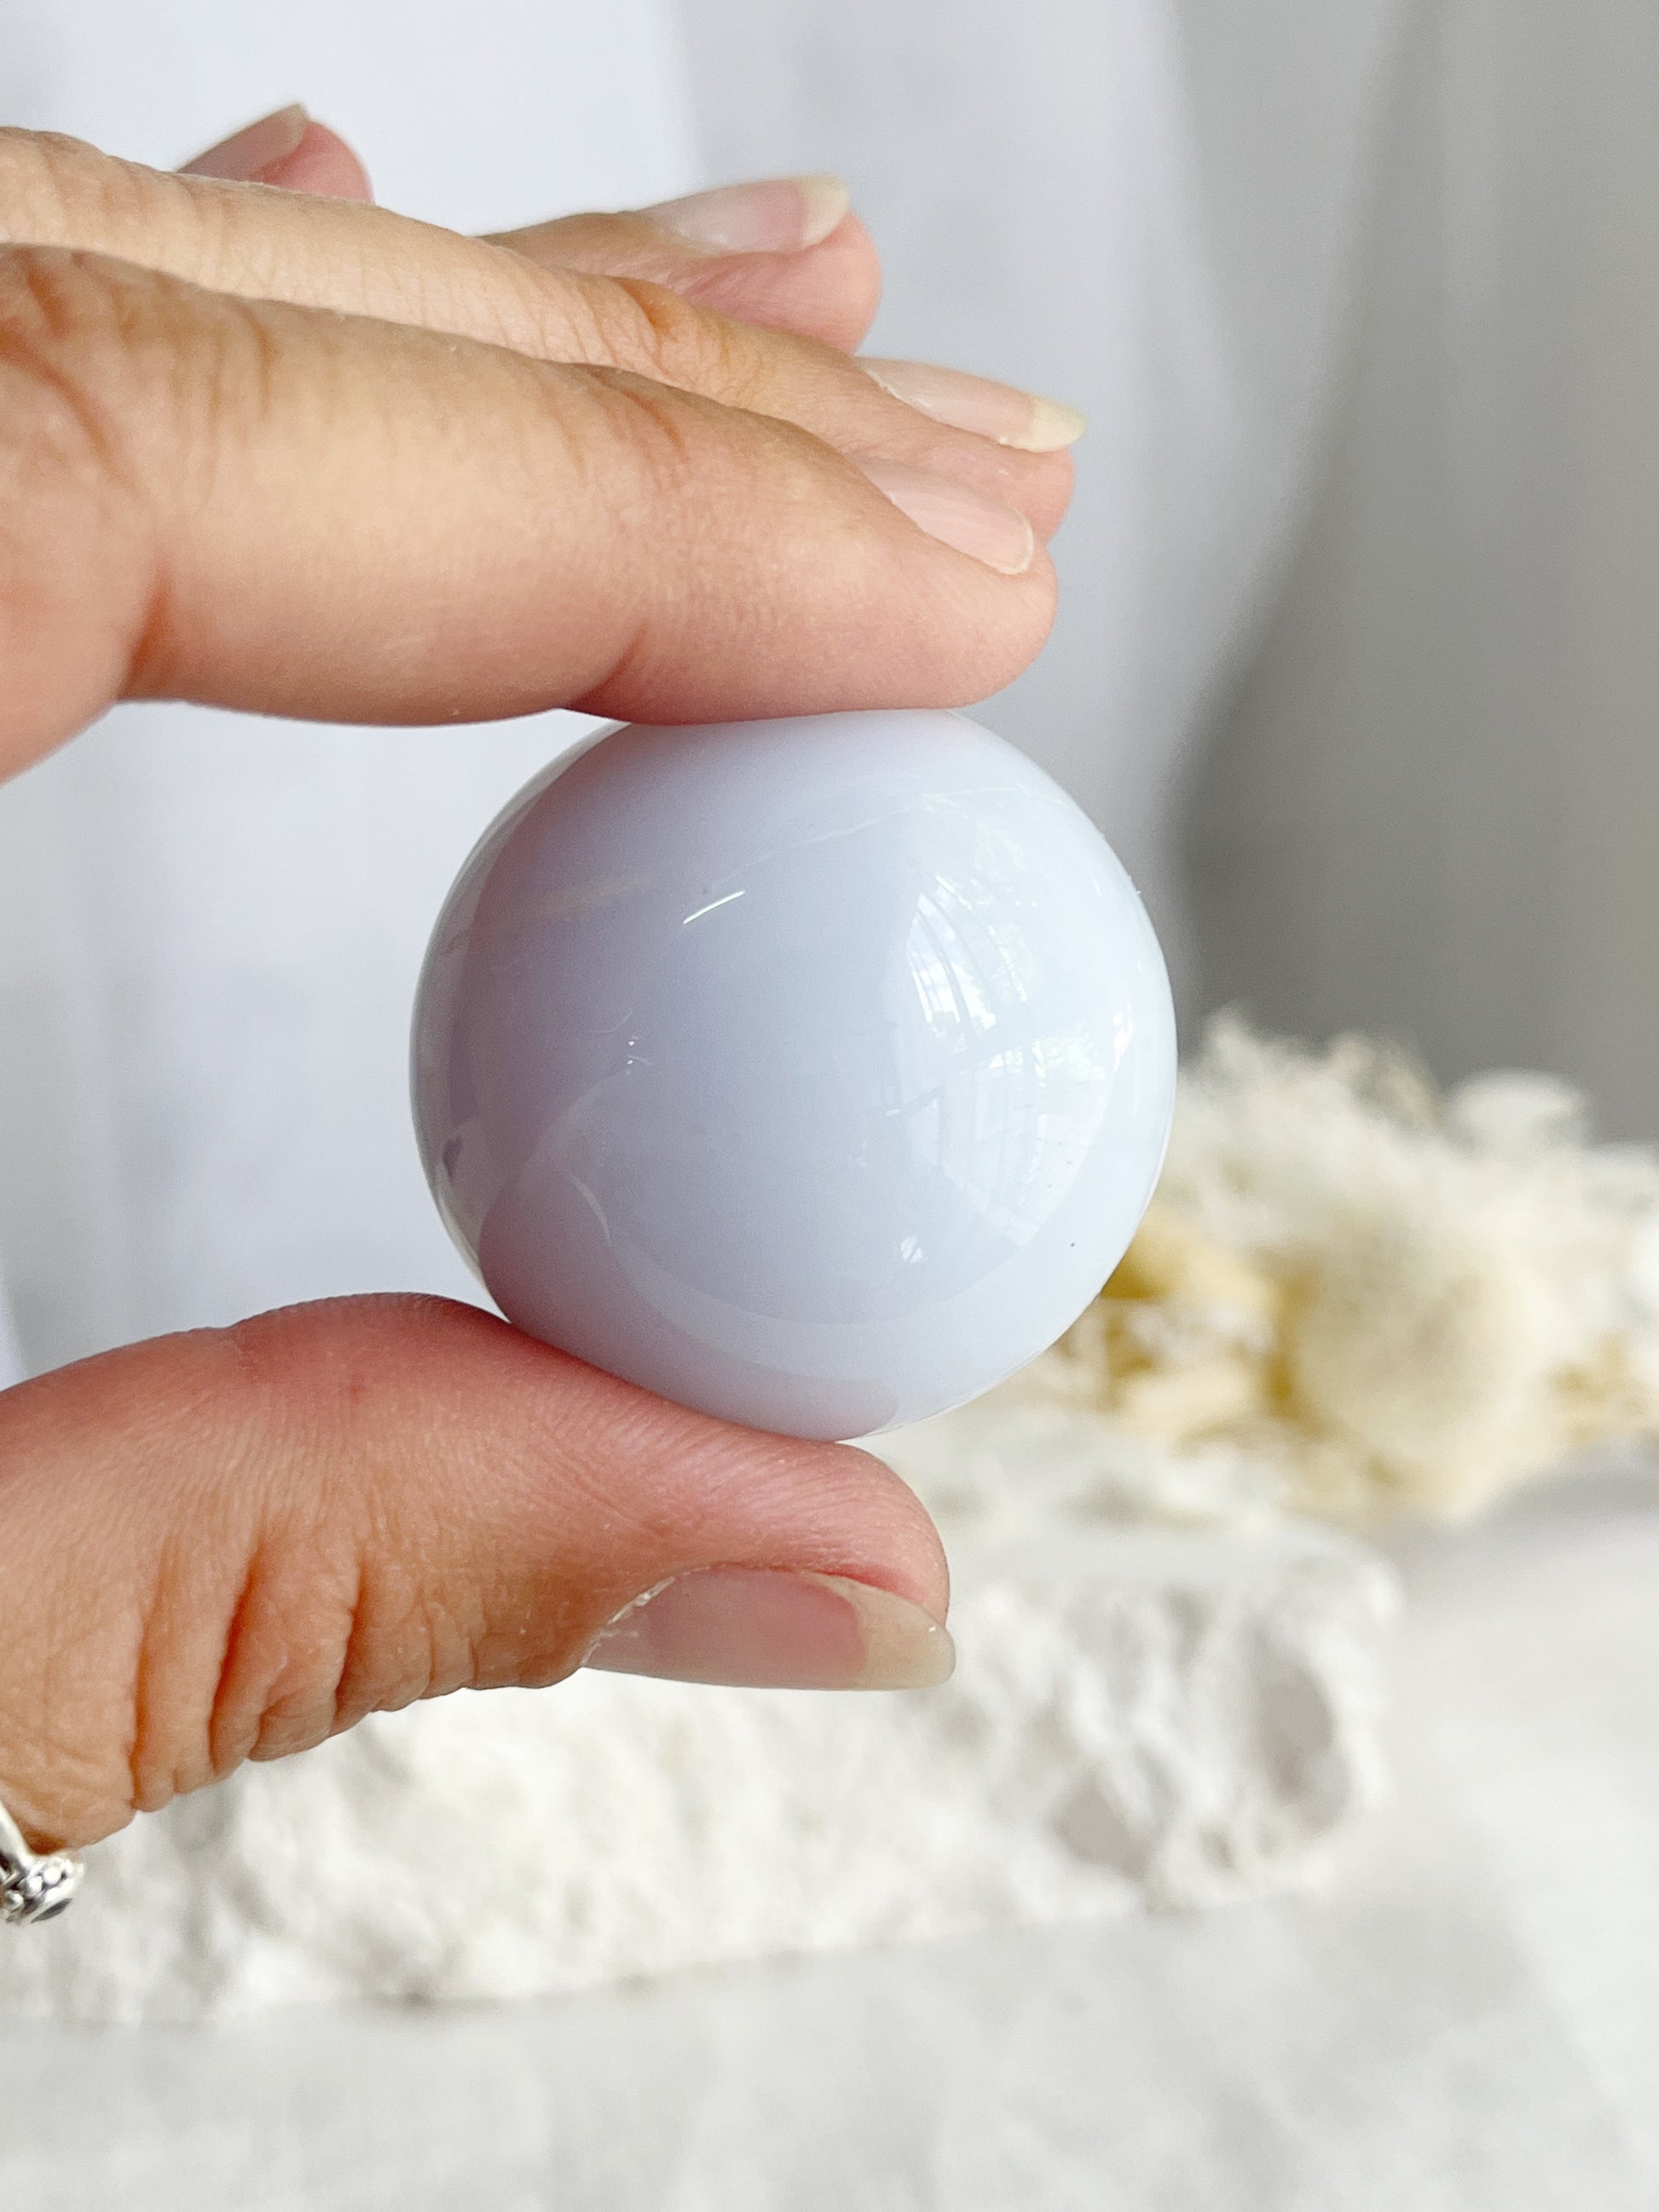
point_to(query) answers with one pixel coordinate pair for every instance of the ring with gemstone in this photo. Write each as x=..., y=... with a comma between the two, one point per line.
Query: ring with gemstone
x=33, y=1885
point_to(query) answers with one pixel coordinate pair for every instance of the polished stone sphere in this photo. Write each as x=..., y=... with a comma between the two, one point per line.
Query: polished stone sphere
x=814, y=1073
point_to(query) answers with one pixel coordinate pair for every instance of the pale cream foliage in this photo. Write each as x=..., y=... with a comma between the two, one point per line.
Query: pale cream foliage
x=1366, y=1301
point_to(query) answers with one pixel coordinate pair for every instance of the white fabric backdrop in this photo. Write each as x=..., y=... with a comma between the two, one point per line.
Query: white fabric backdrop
x=1434, y=809
x=209, y=926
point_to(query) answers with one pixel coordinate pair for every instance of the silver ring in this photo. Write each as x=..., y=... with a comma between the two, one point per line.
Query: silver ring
x=33, y=1886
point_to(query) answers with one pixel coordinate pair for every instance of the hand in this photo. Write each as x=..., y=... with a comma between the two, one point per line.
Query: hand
x=297, y=454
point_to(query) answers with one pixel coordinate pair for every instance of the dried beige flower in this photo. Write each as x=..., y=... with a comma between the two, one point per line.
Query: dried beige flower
x=1362, y=1300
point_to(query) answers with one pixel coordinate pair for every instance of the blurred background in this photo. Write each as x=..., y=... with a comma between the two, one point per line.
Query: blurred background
x=1356, y=667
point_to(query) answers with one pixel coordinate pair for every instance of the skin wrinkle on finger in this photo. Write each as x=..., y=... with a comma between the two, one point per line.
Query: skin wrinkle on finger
x=234, y=1510
x=279, y=1694
x=228, y=1739
x=391, y=1641
x=316, y=1633
x=257, y=242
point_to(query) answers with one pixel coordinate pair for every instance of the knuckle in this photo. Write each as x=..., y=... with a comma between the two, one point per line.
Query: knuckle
x=60, y=338
x=339, y=1615
x=669, y=338
x=41, y=179
x=659, y=434
x=700, y=351
x=74, y=576
x=625, y=322
x=121, y=389
x=105, y=362
x=118, y=343
x=56, y=191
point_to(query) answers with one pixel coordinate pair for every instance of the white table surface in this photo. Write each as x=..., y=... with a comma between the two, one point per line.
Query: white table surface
x=1469, y=2019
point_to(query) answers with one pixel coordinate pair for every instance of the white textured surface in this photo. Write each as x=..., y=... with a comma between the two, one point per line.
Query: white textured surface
x=1463, y=2021
x=1139, y=1718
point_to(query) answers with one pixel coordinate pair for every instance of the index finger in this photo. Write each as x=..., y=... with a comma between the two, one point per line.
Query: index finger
x=297, y=513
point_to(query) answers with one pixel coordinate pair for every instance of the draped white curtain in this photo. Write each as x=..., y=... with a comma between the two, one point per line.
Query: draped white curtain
x=1433, y=808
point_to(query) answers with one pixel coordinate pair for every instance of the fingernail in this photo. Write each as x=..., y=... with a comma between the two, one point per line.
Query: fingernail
x=771, y=1629
x=1002, y=411
x=955, y=514
x=244, y=159
x=781, y=215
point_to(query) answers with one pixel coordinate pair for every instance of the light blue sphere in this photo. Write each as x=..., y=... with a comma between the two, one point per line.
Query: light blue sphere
x=814, y=1073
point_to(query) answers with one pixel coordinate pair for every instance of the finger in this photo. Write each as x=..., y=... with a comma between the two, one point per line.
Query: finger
x=266, y=507
x=233, y=1543
x=365, y=260
x=289, y=150
x=786, y=253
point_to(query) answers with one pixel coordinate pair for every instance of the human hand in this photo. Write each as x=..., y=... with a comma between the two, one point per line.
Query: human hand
x=302, y=456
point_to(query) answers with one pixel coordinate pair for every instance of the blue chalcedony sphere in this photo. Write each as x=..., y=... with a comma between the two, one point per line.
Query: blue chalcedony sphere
x=814, y=1072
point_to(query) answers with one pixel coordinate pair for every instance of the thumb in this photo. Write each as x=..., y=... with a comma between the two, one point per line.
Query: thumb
x=234, y=1544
